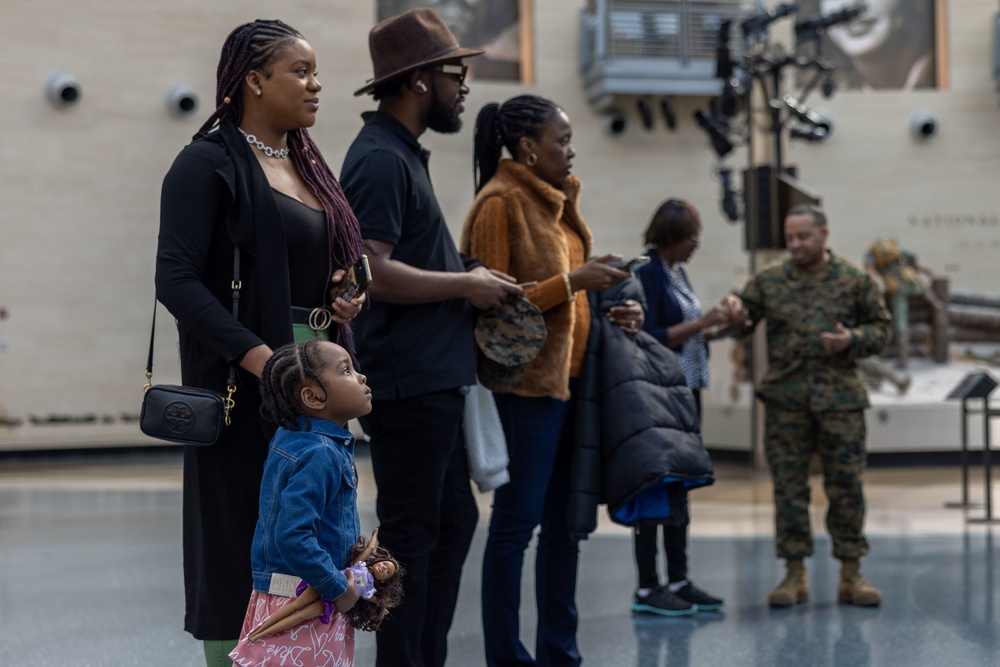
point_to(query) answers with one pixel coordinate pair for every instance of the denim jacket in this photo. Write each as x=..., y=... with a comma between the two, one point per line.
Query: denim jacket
x=308, y=508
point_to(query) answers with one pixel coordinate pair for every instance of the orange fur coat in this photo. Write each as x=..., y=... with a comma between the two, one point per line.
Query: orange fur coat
x=523, y=226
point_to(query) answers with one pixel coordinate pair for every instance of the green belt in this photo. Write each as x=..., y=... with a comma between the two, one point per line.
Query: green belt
x=305, y=321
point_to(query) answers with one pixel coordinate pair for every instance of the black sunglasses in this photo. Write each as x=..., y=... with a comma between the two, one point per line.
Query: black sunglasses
x=458, y=72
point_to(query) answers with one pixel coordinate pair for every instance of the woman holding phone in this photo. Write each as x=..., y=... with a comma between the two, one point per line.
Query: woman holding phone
x=525, y=222
x=253, y=185
x=674, y=317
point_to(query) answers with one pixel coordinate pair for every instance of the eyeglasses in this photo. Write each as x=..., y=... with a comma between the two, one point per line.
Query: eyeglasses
x=695, y=239
x=458, y=72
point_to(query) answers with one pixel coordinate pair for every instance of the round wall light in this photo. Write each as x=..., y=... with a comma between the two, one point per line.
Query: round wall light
x=62, y=90
x=181, y=100
x=924, y=125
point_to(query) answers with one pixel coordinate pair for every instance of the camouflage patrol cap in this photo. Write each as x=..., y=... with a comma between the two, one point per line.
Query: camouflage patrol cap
x=509, y=337
x=512, y=334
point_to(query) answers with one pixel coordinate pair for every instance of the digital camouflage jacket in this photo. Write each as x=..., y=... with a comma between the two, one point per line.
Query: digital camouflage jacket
x=799, y=306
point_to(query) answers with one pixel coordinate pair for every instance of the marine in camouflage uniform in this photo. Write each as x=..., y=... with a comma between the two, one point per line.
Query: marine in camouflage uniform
x=814, y=396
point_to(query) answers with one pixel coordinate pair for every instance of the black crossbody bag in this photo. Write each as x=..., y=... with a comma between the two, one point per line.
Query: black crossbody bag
x=188, y=415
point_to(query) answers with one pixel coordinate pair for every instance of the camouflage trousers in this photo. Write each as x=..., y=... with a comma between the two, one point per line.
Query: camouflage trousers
x=790, y=438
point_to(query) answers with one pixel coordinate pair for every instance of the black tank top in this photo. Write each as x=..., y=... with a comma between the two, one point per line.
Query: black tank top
x=308, y=251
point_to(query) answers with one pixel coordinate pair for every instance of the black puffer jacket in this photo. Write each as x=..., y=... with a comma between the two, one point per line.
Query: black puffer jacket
x=636, y=425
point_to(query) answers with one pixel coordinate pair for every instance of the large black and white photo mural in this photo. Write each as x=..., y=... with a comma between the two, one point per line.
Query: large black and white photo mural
x=894, y=45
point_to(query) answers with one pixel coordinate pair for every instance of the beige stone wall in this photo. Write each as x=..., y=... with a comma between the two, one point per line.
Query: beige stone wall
x=79, y=188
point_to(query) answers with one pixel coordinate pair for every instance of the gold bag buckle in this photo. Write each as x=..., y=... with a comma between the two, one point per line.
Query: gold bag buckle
x=320, y=319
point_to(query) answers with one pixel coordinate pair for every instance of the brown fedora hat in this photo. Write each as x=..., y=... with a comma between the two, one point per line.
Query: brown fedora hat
x=410, y=41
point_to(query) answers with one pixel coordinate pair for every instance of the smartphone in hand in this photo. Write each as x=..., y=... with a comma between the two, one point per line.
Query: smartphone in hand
x=631, y=264
x=355, y=282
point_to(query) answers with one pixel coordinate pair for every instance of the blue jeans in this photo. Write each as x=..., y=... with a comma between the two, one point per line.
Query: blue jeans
x=540, y=443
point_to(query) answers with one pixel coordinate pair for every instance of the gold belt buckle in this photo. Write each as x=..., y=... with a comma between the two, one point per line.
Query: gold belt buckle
x=320, y=319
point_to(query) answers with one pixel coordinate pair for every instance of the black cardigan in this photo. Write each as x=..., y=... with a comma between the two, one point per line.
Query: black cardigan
x=214, y=196
x=215, y=179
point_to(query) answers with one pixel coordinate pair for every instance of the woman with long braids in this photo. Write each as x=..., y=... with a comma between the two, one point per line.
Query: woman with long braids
x=525, y=222
x=251, y=181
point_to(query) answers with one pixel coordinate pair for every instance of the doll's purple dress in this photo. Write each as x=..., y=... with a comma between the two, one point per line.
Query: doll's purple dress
x=363, y=580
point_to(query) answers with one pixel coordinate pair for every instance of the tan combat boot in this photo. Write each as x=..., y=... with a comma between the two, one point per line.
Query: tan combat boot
x=794, y=588
x=854, y=589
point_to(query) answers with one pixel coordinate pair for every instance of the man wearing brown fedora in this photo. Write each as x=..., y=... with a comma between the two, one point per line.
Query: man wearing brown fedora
x=415, y=340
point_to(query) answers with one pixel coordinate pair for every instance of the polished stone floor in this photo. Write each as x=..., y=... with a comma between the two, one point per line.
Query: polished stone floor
x=90, y=575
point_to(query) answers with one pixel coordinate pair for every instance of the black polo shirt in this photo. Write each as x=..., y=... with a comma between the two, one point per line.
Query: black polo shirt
x=406, y=350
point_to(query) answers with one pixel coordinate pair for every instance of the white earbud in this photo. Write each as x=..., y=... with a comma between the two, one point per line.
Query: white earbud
x=420, y=84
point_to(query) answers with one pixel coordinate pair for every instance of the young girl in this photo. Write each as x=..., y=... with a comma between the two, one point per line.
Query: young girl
x=308, y=517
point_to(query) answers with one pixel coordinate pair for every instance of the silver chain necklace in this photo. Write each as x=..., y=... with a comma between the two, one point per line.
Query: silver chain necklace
x=266, y=150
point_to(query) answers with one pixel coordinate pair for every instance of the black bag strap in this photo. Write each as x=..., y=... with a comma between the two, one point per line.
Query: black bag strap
x=237, y=285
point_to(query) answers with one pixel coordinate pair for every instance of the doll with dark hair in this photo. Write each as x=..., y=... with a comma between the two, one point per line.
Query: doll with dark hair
x=378, y=578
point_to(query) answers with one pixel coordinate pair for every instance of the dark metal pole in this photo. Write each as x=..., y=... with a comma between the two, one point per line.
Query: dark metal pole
x=776, y=121
x=987, y=413
x=965, y=452
x=964, y=459
x=986, y=456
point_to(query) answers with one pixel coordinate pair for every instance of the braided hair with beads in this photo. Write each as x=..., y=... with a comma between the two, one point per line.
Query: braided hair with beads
x=500, y=126
x=254, y=46
x=282, y=379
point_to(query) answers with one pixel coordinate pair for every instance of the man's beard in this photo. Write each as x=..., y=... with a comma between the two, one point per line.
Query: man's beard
x=441, y=117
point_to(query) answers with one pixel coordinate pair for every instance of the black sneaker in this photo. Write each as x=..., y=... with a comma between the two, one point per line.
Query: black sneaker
x=663, y=602
x=698, y=598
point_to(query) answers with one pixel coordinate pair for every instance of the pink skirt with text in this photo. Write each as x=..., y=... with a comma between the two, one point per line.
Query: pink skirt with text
x=311, y=644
